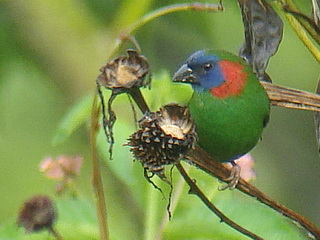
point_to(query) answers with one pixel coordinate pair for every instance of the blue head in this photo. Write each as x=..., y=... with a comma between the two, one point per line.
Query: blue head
x=201, y=70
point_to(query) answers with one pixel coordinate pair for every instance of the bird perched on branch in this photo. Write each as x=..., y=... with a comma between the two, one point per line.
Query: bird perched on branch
x=229, y=105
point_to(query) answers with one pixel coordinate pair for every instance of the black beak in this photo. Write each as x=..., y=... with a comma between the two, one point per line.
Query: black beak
x=185, y=75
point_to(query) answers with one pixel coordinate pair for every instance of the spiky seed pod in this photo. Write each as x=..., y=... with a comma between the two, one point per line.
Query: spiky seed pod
x=125, y=72
x=37, y=213
x=164, y=137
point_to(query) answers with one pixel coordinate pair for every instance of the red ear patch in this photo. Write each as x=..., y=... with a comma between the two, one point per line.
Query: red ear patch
x=235, y=79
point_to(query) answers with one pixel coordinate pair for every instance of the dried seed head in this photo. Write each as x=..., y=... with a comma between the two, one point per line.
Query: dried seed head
x=125, y=72
x=165, y=136
x=37, y=213
x=176, y=121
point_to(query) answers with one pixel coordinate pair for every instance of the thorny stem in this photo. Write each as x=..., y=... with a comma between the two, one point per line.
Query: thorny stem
x=205, y=162
x=158, y=13
x=96, y=173
x=195, y=190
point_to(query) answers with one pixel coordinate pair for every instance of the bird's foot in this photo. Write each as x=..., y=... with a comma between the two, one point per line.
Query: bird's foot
x=234, y=177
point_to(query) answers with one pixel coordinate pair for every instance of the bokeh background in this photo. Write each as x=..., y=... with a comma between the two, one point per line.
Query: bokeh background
x=50, y=54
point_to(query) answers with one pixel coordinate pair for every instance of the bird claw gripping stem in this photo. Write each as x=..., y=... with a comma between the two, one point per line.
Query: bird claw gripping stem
x=233, y=179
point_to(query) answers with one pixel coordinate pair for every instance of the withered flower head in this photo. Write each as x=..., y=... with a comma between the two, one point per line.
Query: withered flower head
x=37, y=213
x=125, y=72
x=164, y=137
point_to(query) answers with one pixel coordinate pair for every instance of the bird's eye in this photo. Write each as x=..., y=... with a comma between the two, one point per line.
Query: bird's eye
x=207, y=67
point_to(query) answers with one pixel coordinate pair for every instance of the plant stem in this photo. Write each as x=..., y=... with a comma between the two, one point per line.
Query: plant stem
x=151, y=214
x=176, y=195
x=137, y=96
x=96, y=173
x=195, y=190
x=205, y=162
x=306, y=22
x=125, y=35
x=292, y=98
x=300, y=31
x=54, y=233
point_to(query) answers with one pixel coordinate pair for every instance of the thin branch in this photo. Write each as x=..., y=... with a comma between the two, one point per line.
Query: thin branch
x=280, y=96
x=292, y=98
x=55, y=233
x=300, y=31
x=125, y=35
x=176, y=195
x=195, y=190
x=308, y=24
x=96, y=173
x=137, y=96
x=205, y=162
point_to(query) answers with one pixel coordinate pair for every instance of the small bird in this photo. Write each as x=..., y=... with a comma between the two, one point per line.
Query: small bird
x=229, y=105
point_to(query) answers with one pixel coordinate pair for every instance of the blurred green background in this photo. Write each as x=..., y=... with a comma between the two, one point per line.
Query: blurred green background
x=50, y=54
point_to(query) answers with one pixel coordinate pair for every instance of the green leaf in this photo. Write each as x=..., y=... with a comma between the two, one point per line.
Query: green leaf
x=80, y=215
x=76, y=116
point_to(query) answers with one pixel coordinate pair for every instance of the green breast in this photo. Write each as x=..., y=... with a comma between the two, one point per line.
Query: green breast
x=228, y=128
